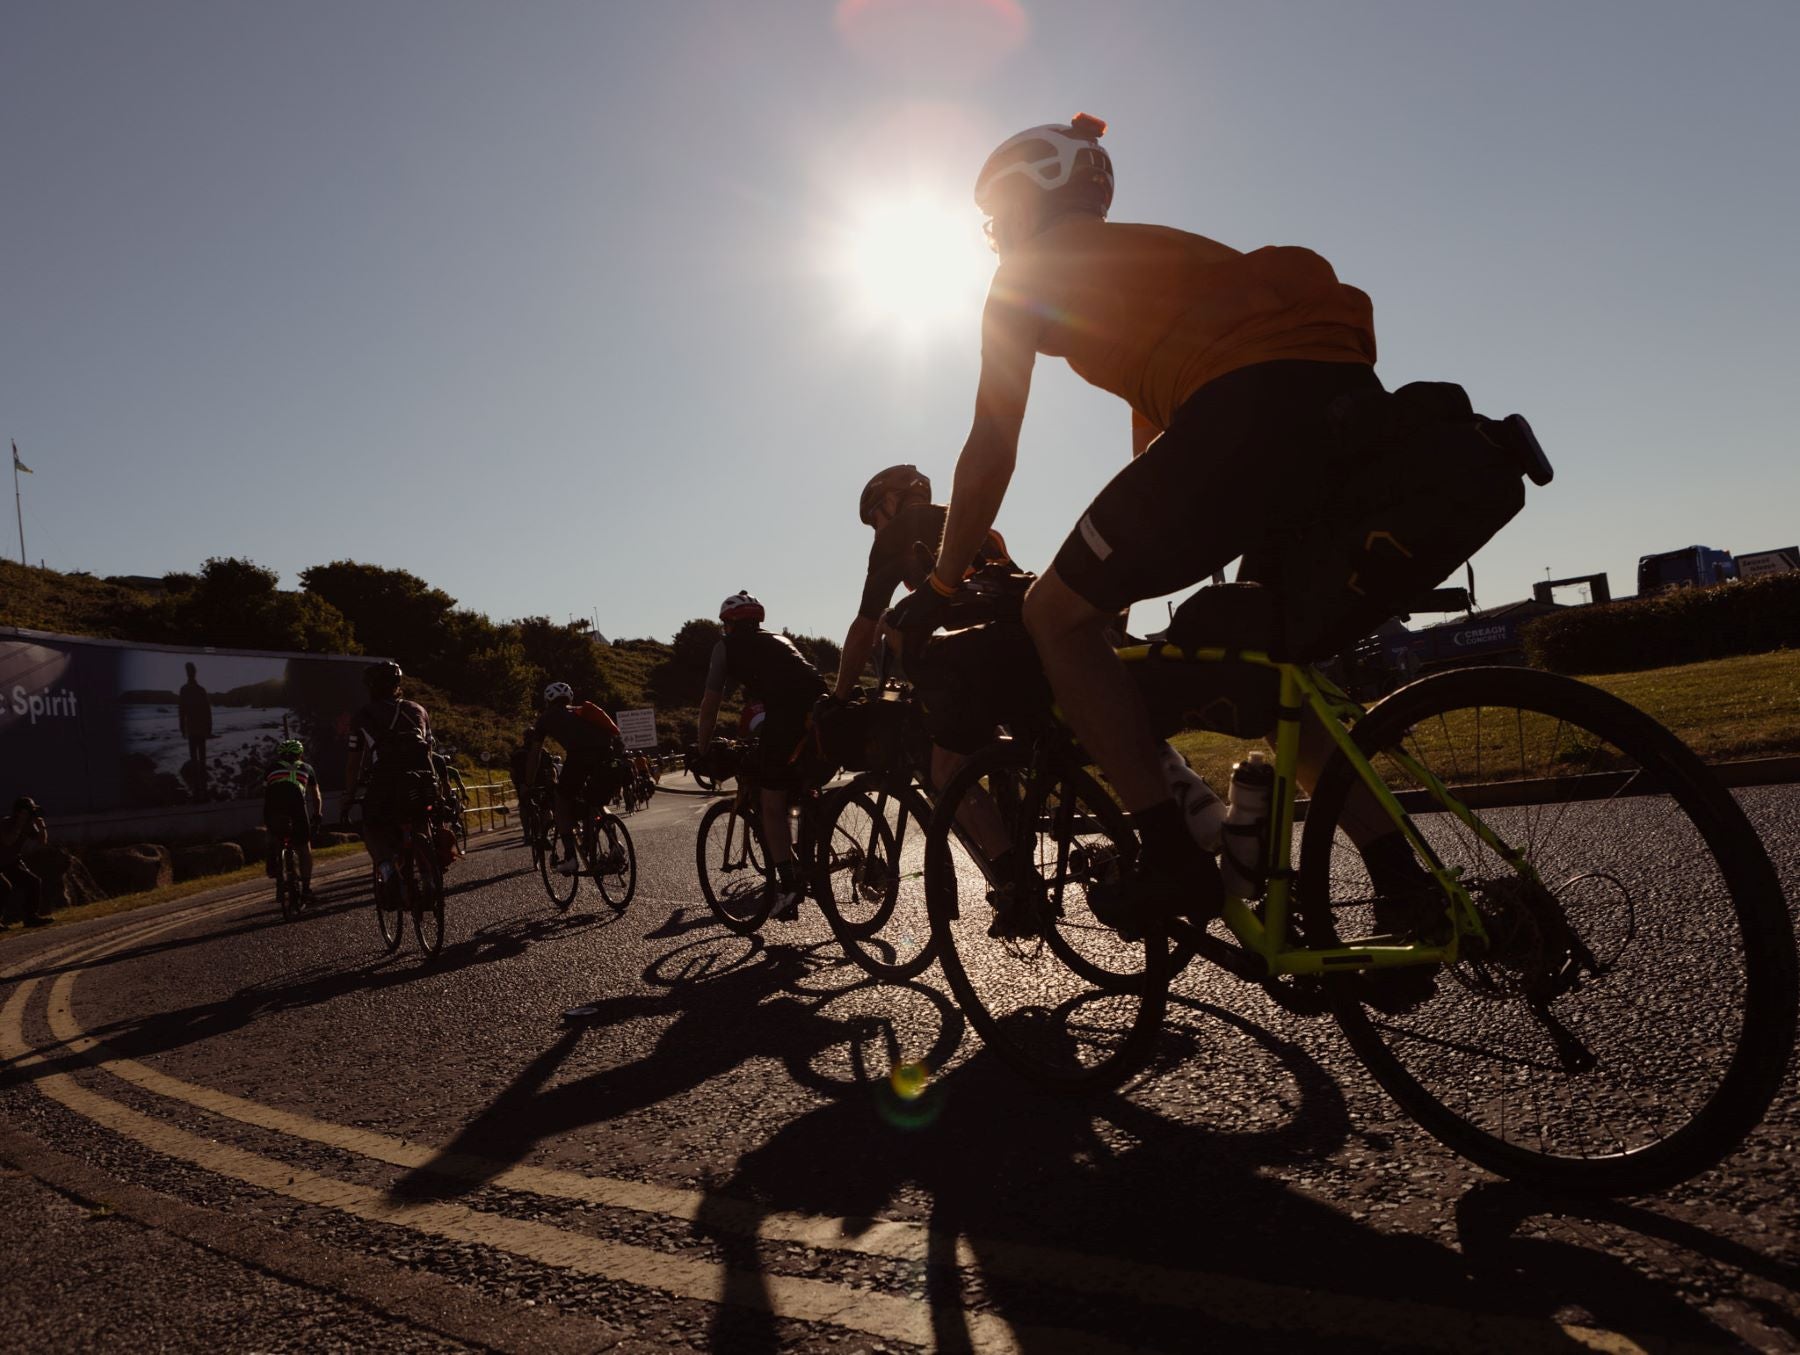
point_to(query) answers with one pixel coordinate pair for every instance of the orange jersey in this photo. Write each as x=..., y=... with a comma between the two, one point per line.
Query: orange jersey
x=1152, y=314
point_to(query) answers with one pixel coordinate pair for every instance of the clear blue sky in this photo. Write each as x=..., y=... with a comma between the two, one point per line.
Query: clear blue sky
x=544, y=302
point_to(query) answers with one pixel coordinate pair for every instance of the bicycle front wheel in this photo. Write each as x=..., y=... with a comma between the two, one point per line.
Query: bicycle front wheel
x=1630, y=1015
x=614, y=861
x=729, y=853
x=871, y=878
x=1062, y=995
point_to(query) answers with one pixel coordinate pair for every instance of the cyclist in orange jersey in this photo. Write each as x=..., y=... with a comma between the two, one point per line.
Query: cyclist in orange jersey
x=1228, y=361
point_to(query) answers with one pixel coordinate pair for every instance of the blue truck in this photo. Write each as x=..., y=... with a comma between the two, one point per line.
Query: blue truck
x=1689, y=567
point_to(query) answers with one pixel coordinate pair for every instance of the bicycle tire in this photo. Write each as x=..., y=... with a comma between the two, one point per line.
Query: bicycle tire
x=1538, y=936
x=619, y=884
x=1061, y=1029
x=287, y=883
x=561, y=888
x=390, y=916
x=739, y=887
x=461, y=829
x=428, y=898
x=870, y=877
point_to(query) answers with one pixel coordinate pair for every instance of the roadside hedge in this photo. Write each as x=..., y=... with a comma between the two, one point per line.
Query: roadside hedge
x=1686, y=625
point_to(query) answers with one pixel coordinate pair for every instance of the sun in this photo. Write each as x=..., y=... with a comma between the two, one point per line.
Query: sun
x=915, y=263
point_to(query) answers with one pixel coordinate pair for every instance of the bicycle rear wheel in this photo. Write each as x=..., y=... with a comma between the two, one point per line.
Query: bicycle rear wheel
x=871, y=877
x=390, y=916
x=1077, y=1006
x=614, y=861
x=287, y=883
x=427, y=898
x=1630, y=1018
x=729, y=853
x=561, y=888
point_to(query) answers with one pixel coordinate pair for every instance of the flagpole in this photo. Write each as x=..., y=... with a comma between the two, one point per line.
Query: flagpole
x=18, y=503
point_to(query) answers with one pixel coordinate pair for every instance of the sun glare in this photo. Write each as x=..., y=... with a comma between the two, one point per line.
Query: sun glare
x=917, y=263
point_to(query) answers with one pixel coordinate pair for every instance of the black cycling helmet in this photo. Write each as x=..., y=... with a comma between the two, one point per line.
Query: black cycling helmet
x=382, y=679
x=901, y=480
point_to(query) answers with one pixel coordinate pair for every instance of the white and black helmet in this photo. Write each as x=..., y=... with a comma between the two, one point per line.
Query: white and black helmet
x=1065, y=161
x=558, y=691
x=740, y=606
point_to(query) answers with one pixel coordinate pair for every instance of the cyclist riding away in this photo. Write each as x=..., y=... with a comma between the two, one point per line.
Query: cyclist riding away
x=1228, y=361
x=293, y=805
x=390, y=739
x=771, y=670
x=594, y=769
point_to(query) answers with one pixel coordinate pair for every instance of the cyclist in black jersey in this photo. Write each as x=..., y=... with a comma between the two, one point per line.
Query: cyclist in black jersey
x=390, y=740
x=595, y=768
x=771, y=670
x=969, y=682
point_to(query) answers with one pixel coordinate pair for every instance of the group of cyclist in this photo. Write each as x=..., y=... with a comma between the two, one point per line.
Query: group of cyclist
x=1230, y=362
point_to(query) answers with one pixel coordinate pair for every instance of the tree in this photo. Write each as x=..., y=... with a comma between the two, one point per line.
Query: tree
x=235, y=604
x=681, y=679
x=565, y=654
x=393, y=612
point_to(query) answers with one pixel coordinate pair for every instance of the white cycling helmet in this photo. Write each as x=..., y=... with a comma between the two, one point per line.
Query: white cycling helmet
x=558, y=691
x=1065, y=161
x=740, y=606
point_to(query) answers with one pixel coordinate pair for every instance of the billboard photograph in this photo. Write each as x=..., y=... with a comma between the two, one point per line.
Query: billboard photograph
x=89, y=726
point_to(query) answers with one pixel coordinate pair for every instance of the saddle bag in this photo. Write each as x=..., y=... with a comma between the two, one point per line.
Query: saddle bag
x=1426, y=482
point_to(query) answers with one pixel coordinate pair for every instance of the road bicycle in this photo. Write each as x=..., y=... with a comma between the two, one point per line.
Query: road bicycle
x=290, y=890
x=453, y=801
x=604, y=853
x=417, y=886
x=731, y=849
x=1595, y=991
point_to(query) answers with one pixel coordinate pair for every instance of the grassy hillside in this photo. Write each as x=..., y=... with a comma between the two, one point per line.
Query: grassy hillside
x=68, y=604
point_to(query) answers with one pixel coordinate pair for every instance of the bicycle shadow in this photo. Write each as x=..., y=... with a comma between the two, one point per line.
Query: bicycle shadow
x=707, y=986
x=1490, y=1218
x=143, y=1037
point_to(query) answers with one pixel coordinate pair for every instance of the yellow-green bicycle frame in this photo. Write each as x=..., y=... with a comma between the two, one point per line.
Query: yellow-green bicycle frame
x=1262, y=929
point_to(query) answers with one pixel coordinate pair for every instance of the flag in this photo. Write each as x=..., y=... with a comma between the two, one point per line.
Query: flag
x=18, y=464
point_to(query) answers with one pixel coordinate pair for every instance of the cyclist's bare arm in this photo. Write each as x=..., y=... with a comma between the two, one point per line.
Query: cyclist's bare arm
x=983, y=471
x=858, y=641
x=709, y=717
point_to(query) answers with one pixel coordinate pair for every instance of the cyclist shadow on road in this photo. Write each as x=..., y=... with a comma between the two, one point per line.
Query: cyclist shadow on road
x=314, y=985
x=706, y=1036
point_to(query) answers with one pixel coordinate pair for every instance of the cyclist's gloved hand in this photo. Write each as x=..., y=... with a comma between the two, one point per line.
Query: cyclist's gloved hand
x=922, y=610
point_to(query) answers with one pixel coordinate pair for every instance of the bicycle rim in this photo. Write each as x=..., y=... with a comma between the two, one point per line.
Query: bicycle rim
x=1065, y=1027
x=428, y=899
x=871, y=879
x=1631, y=1015
x=560, y=888
x=618, y=882
x=287, y=884
x=729, y=854
x=390, y=918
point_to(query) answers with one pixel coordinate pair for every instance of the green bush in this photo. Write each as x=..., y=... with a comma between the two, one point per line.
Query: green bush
x=1684, y=625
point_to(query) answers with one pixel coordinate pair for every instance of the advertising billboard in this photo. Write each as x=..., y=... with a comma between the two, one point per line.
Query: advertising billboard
x=638, y=727
x=92, y=726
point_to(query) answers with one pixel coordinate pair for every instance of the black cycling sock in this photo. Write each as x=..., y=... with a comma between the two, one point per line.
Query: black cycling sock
x=1392, y=866
x=1005, y=865
x=787, y=875
x=1168, y=845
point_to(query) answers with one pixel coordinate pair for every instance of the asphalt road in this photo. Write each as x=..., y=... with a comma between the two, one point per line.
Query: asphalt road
x=234, y=1133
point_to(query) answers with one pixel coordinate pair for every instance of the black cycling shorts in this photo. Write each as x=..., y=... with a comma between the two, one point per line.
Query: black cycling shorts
x=1244, y=455
x=593, y=778
x=776, y=758
x=395, y=798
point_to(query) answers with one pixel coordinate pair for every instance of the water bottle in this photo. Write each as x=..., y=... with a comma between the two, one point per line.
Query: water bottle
x=1204, y=811
x=1252, y=787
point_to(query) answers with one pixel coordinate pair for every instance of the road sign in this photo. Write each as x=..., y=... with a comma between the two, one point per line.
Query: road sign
x=638, y=727
x=1759, y=563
